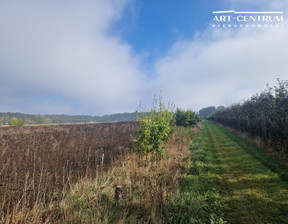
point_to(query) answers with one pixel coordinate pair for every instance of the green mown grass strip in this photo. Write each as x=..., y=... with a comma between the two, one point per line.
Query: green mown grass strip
x=231, y=180
x=252, y=185
x=199, y=201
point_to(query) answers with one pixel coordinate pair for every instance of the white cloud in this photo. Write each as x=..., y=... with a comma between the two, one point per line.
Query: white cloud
x=260, y=4
x=199, y=73
x=220, y=67
x=65, y=48
x=61, y=57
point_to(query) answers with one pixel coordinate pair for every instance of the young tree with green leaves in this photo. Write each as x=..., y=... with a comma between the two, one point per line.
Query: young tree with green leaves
x=155, y=128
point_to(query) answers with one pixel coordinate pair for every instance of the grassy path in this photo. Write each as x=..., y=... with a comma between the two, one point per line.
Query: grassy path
x=253, y=188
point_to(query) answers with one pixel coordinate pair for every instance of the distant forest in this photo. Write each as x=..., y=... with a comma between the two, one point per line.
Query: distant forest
x=61, y=119
x=53, y=119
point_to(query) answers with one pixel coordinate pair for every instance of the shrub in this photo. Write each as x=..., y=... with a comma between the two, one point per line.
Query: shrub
x=155, y=129
x=16, y=122
x=186, y=118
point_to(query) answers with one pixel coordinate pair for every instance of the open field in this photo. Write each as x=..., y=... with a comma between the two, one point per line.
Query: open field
x=221, y=179
x=38, y=160
x=86, y=192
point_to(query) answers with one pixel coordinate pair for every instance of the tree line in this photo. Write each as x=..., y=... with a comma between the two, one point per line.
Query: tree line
x=184, y=118
x=5, y=118
x=263, y=116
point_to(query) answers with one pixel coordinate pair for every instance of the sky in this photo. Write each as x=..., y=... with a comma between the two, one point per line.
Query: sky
x=99, y=57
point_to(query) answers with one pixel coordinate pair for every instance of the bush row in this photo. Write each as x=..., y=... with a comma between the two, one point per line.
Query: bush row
x=263, y=116
x=186, y=118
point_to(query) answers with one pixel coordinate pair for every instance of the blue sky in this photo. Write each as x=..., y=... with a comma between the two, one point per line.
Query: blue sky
x=153, y=26
x=100, y=57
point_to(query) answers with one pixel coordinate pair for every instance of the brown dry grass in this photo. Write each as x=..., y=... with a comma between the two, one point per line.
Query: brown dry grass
x=148, y=187
x=37, y=161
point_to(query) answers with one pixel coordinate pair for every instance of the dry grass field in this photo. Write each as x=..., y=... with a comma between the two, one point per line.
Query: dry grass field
x=37, y=161
x=149, y=187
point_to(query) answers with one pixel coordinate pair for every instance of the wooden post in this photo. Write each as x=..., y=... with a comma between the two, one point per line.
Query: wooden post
x=102, y=162
x=118, y=193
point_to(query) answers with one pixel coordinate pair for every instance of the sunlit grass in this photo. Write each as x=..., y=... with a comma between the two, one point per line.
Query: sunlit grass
x=250, y=182
x=224, y=178
x=148, y=186
x=199, y=201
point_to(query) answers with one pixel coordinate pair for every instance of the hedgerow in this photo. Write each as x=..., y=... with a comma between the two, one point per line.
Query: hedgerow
x=263, y=116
